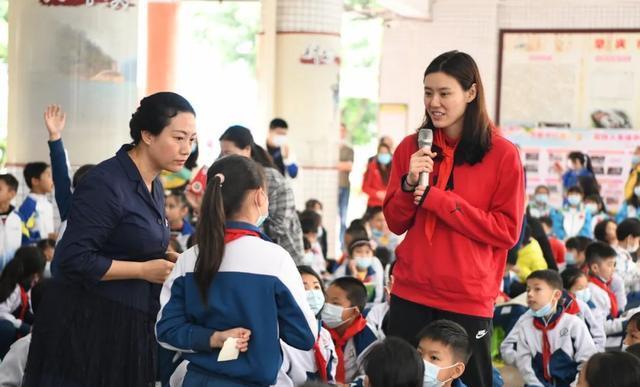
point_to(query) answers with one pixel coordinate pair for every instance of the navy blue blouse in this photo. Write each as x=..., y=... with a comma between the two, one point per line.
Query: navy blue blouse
x=113, y=216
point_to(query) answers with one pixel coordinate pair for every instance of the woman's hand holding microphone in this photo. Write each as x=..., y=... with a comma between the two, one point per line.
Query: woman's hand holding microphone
x=421, y=161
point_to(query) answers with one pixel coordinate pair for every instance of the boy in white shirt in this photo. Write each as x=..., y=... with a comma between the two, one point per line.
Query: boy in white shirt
x=37, y=211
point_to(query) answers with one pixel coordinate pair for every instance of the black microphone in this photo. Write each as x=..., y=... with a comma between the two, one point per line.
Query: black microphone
x=425, y=139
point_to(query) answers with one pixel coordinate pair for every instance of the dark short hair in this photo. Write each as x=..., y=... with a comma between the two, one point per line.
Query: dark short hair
x=304, y=269
x=240, y=136
x=550, y=277
x=578, y=243
x=629, y=226
x=570, y=275
x=311, y=203
x=450, y=334
x=383, y=254
x=309, y=221
x=355, y=289
x=33, y=171
x=10, y=181
x=600, y=231
x=393, y=363
x=278, y=123
x=81, y=173
x=155, y=112
x=598, y=252
x=575, y=189
x=613, y=369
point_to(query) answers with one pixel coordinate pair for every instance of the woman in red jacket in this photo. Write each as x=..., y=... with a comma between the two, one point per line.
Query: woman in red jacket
x=376, y=177
x=459, y=228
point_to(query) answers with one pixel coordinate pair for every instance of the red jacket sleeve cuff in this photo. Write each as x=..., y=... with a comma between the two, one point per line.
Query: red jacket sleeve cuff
x=434, y=199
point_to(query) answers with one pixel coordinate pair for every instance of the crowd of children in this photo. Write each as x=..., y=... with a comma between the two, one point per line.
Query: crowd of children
x=562, y=317
x=571, y=288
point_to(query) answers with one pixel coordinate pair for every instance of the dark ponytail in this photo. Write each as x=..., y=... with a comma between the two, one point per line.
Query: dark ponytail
x=27, y=262
x=260, y=156
x=228, y=181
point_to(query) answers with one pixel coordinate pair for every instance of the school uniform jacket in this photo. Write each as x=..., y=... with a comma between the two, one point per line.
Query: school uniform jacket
x=10, y=237
x=37, y=214
x=570, y=345
x=570, y=222
x=257, y=287
x=299, y=366
x=16, y=306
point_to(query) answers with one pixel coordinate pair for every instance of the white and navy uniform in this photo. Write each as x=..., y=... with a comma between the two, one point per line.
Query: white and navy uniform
x=376, y=318
x=258, y=288
x=300, y=366
x=616, y=329
x=37, y=214
x=570, y=344
x=10, y=236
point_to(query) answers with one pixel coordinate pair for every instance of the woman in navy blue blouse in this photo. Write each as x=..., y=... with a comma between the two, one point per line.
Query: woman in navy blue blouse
x=96, y=325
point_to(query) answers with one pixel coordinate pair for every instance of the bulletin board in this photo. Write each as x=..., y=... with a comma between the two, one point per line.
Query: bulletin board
x=569, y=78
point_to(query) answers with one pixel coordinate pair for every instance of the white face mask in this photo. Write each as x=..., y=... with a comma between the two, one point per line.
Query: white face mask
x=431, y=372
x=262, y=217
x=592, y=207
x=574, y=200
x=636, y=190
x=279, y=140
x=363, y=263
x=332, y=315
x=315, y=298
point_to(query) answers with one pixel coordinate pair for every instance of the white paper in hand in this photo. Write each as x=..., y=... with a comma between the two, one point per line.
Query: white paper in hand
x=229, y=350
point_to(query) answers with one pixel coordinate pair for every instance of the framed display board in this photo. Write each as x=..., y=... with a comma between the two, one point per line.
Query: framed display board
x=583, y=79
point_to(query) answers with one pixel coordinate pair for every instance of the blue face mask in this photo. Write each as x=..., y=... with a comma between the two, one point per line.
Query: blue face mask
x=262, y=217
x=363, y=263
x=542, y=198
x=636, y=190
x=315, y=298
x=570, y=258
x=544, y=311
x=635, y=160
x=384, y=158
x=584, y=295
x=574, y=200
x=376, y=234
x=431, y=372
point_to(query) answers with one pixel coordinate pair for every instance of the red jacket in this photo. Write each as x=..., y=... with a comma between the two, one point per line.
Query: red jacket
x=372, y=183
x=477, y=222
x=558, y=249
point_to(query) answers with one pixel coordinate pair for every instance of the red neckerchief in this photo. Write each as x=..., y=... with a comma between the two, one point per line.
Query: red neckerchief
x=231, y=234
x=321, y=362
x=445, y=168
x=569, y=303
x=612, y=296
x=340, y=341
x=24, y=306
x=546, y=346
x=24, y=303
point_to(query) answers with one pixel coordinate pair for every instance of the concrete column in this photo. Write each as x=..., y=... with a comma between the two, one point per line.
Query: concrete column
x=299, y=63
x=162, y=53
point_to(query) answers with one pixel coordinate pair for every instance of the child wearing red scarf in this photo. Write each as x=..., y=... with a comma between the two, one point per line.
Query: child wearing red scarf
x=342, y=316
x=601, y=263
x=551, y=344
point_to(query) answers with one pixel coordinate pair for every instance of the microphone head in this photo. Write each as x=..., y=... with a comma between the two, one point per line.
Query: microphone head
x=425, y=137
